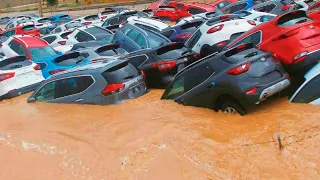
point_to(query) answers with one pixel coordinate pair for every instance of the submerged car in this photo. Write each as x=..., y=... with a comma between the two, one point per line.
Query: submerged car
x=107, y=82
x=293, y=38
x=309, y=91
x=161, y=64
x=231, y=81
x=18, y=75
x=133, y=38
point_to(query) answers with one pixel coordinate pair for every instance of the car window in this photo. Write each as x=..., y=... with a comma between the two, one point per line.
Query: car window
x=141, y=41
x=236, y=8
x=41, y=52
x=147, y=27
x=29, y=28
x=42, y=65
x=22, y=51
x=14, y=46
x=9, y=33
x=111, y=21
x=195, y=11
x=309, y=92
x=172, y=51
x=65, y=35
x=73, y=25
x=189, y=80
x=91, y=17
x=264, y=18
x=168, y=33
x=267, y=8
x=97, y=30
x=125, y=30
x=291, y=19
x=57, y=30
x=50, y=39
x=73, y=85
x=194, y=39
x=222, y=4
x=11, y=26
x=156, y=40
x=46, y=93
x=64, y=16
x=82, y=37
x=179, y=6
x=244, y=13
x=254, y=38
x=133, y=34
x=43, y=20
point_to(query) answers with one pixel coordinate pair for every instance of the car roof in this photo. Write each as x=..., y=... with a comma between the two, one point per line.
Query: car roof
x=151, y=22
x=31, y=41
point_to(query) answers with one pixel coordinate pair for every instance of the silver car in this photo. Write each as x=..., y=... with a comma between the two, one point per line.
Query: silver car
x=106, y=82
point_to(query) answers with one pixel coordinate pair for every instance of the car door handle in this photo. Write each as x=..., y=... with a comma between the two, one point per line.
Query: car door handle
x=79, y=100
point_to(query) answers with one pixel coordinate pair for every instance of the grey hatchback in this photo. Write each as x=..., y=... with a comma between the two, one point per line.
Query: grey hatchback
x=276, y=7
x=106, y=82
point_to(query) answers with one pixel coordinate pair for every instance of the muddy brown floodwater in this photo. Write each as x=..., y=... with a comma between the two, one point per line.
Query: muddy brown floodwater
x=147, y=138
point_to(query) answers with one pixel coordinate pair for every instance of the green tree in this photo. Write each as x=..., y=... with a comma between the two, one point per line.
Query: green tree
x=52, y=2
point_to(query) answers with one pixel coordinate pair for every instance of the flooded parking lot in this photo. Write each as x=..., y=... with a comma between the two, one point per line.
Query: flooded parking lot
x=147, y=138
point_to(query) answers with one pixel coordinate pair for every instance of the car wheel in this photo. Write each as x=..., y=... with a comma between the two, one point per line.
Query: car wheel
x=232, y=107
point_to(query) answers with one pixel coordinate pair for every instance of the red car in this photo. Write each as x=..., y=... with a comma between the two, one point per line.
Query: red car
x=292, y=38
x=177, y=10
x=19, y=30
x=222, y=4
x=314, y=13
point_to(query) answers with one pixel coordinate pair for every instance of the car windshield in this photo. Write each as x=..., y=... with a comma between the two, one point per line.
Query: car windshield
x=41, y=52
x=156, y=40
x=73, y=25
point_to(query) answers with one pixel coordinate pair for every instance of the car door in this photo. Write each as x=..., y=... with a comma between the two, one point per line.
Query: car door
x=308, y=92
x=192, y=86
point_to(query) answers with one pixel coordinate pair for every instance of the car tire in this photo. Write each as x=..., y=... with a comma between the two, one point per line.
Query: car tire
x=232, y=107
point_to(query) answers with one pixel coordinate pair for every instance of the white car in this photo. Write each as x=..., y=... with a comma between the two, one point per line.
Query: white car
x=66, y=27
x=18, y=75
x=201, y=16
x=18, y=22
x=89, y=33
x=148, y=23
x=106, y=14
x=58, y=41
x=217, y=32
x=89, y=20
x=258, y=17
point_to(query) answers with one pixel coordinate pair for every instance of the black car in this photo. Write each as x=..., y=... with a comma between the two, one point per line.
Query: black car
x=160, y=64
x=231, y=81
x=122, y=17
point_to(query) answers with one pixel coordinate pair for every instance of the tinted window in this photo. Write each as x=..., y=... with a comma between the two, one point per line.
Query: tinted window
x=73, y=25
x=64, y=35
x=172, y=51
x=14, y=46
x=42, y=65
x=179, y=6
x=244, y=13
x=236, y=8
x=111, y=21
x=74, y=85
x=188, y=81
x=57, y=30
x=156, y=40
x=46, y=93
x=194, y=39
x=9, y=33
x=133, y=34
x=291, y=19
x=11, y=26
x=82, y=37
x=254, y=38
x=22, y=51
x=28, y=28
x=43, y=20
x=44, y=31
x=42, y=52
x=195, y=11
x=115, y=74
x=266, y=8
x=222, y=4
x=309, y=92
x=147, y=27
x=96, y=30
x=141, y=41
x=91, y=18
x=64, y=16
x=136, y=61
x=264, y=18
x=168, y=33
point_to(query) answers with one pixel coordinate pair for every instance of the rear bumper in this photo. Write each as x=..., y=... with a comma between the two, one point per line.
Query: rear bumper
x=302, y=67
x=18, y=92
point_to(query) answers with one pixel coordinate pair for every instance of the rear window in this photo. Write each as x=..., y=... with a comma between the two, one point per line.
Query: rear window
x=310, y=2
x=214, y=13
x=156, y=40
x=92, y=17
x=293, y=18
x=69, y=59
x=96, y=30
x=172, y=51
x=73, y=25
x=109, y=50
x=107, y=12
x=12, y=60
x=73, y=85
x=65, y=35
x=64, y=16
x=194, y=39
x=244, y=13
x=43, y=20
x=28, y=28
x=222, y=18
x=191, y=26
x=168, y=33
x=120, y=73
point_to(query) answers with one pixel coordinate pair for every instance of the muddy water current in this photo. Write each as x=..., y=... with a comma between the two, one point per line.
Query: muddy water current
x=147, y=138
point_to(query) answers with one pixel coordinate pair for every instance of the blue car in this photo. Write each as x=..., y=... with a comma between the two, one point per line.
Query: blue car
x=58, y=63
x=182, y=32
x=236, y=7
x=59, y=18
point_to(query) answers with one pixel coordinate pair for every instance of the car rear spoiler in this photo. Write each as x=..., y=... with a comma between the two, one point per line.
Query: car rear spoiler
x=167, y=47
x=130, y=12
x=238, y=49
x=67, y=56
x=191, y=24
x=107, y=47
x=171, y=7
x=222, y=18
x=12, y=60
x=112, y=28
x=147, y=11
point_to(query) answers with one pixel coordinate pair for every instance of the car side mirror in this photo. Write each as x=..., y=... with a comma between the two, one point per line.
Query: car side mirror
x=31, y=100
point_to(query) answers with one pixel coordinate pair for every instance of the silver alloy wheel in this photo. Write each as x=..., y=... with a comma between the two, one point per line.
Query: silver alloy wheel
x=230, y=110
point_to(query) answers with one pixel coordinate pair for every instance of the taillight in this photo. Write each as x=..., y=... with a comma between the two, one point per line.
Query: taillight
x=56, y=71
x=251, y=91
x=6, y=76
x=300, y=57
x=87, y=23
x=240, y=69
x=112, y=89
x=62, y=42
x=143, y=74
x=215, y=29
x=223, y=43
x=161, y=66
x=37, y=67
x=286, y=7
x=184, y=36
x=252, y=22
x=39, y=25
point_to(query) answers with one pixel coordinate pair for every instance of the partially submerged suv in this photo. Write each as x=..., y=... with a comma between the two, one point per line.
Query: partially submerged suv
x=231, y=81
x=108, y=82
